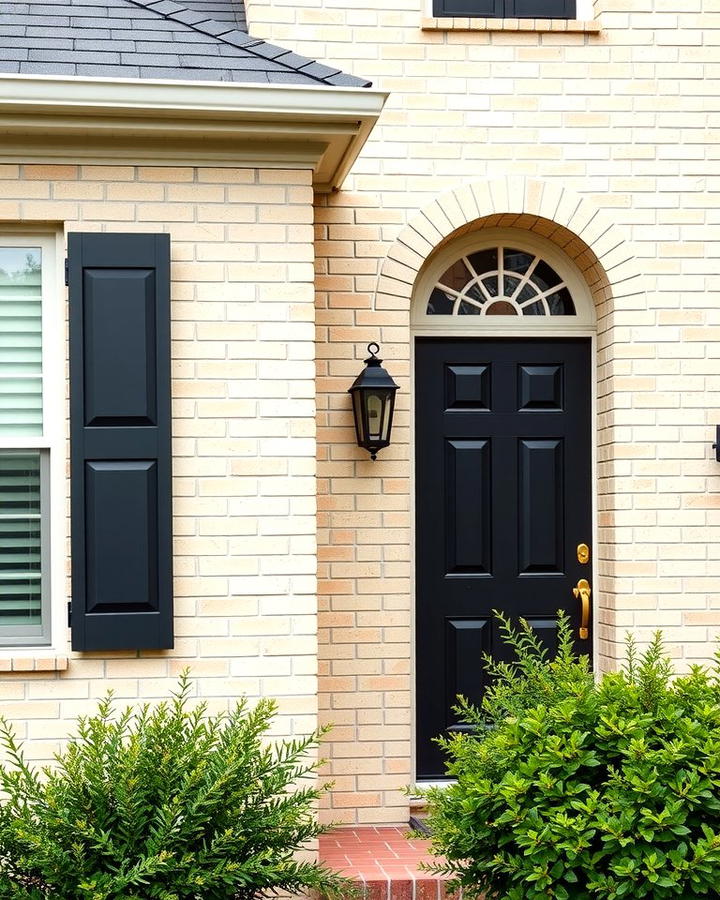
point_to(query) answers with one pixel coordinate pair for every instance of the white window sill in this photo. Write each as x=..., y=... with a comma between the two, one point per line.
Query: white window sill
x=421, y=786
x=563, y=26
x=29, y=660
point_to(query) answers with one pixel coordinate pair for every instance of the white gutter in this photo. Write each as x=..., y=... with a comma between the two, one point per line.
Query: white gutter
x=329, y=123
x=210, y=96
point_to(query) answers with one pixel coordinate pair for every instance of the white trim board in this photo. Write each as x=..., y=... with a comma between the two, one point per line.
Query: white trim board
x=58, y=118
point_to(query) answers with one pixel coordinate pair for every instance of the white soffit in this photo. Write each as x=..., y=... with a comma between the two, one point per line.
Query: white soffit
x=117, y=121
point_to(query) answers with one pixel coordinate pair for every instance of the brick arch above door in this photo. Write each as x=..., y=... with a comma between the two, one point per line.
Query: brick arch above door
x=604, y=255
x=587, y=234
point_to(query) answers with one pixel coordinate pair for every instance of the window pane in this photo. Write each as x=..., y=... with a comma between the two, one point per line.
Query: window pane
x=457, y=276
x=534, y=309
x=510, y=285
x=20, y=540
x=20, y=341
x=561, y=303
x=501, y=308
x=545, y=277
x=517, y=261
x=440, y=303
x=491, y=285
x=484, y=260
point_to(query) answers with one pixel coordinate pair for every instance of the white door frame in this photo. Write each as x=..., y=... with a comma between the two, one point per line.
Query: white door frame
x=479, y=327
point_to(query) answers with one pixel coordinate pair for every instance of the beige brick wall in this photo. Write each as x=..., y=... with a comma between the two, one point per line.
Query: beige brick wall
x=621, y=119
x=243, y=389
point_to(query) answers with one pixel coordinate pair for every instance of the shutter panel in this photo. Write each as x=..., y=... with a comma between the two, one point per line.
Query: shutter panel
x=484, y=8
x=120, y=434
x=541, y=9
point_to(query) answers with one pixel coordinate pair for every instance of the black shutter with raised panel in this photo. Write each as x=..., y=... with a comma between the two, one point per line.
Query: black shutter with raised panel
x=120, y=441
x=492, y=9
x=541, y=9
x=510, y=9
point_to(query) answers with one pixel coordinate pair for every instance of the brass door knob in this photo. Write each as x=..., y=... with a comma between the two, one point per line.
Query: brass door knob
x=583, y=591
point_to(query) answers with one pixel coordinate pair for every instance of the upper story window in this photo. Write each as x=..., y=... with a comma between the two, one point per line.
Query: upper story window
x=500, y=281
x=506, y=9
x=25, y=274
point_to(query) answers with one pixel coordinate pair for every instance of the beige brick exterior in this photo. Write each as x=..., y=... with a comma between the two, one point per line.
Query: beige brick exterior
x=293, y=551
x=243, y=384
x=602, y=138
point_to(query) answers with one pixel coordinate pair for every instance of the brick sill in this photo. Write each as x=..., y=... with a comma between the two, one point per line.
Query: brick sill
x=562, y=26
x=28, y=662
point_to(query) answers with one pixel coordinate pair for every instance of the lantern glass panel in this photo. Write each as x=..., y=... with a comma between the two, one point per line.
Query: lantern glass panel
x=374, y=412
x=359, y=417
x=389, y=405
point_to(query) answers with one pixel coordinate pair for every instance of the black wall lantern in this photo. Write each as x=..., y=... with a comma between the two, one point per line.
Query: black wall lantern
x=373, y=399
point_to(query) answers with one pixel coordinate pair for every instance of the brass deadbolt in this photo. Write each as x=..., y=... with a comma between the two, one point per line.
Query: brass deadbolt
x=583, y=553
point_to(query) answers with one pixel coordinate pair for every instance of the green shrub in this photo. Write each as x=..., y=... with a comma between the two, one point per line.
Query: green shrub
x=584, y=790
x=166, y=802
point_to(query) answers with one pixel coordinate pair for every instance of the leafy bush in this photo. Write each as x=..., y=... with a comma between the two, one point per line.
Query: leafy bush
x=584, y=790
x=166, y=802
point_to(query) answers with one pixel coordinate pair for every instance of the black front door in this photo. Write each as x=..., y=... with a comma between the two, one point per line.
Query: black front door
x=503, y=454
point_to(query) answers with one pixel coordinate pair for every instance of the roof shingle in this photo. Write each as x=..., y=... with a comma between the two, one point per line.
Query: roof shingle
x=158, y=39
x=232, y=11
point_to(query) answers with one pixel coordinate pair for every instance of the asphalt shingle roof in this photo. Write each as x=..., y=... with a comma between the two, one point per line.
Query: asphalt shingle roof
x=160, y=39
x=232, y=11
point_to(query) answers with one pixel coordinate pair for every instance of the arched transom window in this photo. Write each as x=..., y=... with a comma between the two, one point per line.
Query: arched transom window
x=500, y=281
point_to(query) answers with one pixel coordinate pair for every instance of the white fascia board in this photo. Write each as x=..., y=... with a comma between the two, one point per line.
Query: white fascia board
x=204, y=96
x=299, y=117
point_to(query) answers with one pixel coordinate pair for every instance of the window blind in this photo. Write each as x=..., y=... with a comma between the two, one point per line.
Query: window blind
x=20, y=535
x=20, y=342
x=22, y=478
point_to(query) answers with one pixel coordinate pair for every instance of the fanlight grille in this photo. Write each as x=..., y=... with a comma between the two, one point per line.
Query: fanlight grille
x=500, y=281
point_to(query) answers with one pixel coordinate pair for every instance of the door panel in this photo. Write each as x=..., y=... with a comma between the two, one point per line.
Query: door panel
x=503, y=498
x=540, y=387
x=468, y=387
x=465, y=640
x=541, y=497
x=467, y=507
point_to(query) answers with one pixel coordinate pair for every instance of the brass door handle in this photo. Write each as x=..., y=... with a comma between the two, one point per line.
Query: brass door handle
x=583, y=591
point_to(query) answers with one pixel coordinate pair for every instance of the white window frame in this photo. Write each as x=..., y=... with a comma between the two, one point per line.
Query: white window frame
x=51, y=443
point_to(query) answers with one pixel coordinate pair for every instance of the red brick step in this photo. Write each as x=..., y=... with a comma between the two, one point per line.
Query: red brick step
x=383, y=862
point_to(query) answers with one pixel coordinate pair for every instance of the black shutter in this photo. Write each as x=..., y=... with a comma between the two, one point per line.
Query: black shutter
x=492, y=9
x=506, y=9
x=541, y=9
x=120, y=441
